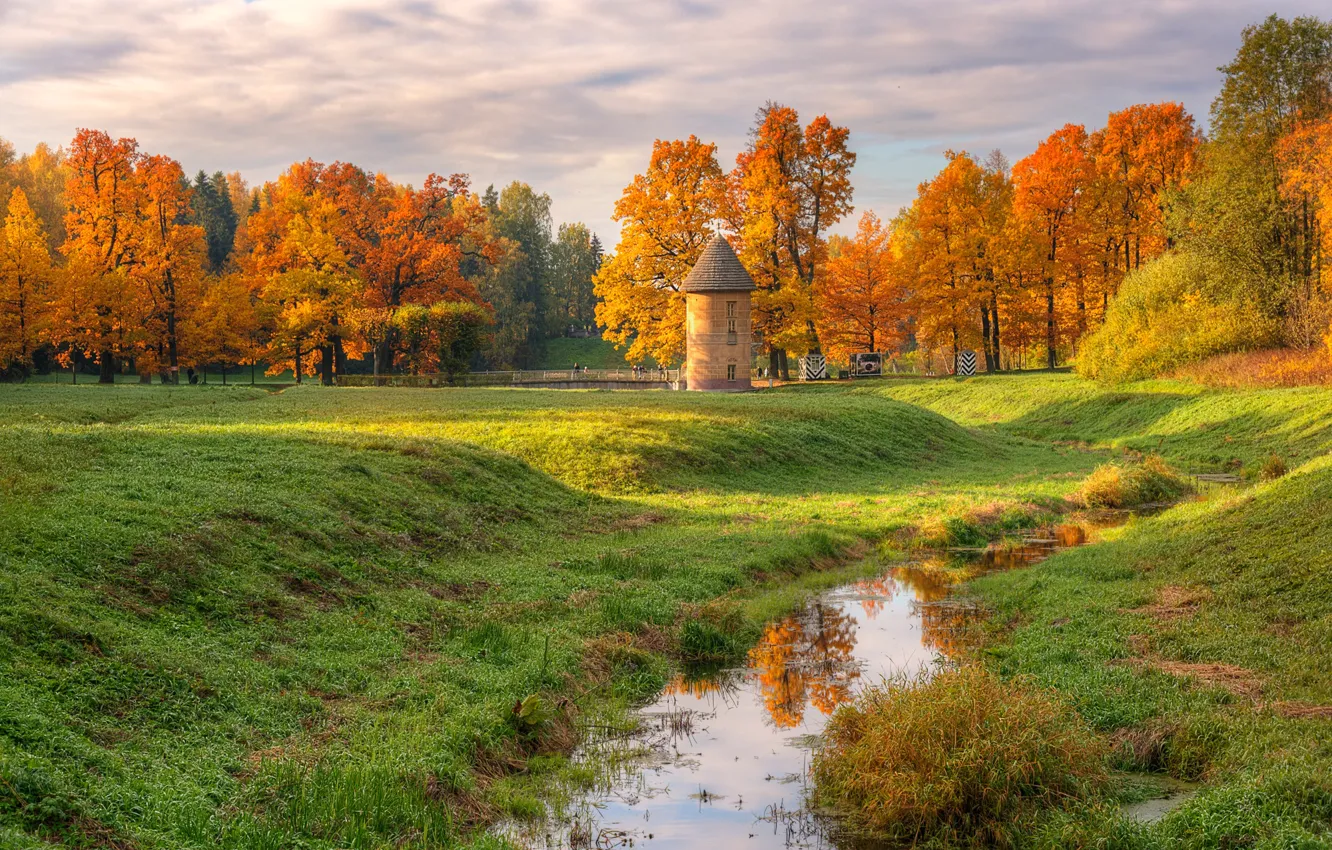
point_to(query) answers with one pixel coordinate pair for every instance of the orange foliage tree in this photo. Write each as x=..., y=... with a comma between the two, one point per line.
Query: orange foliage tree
x=92, y=305
x=1050, y=186
x=786, y=190
x=168, y=272
x=858, y=297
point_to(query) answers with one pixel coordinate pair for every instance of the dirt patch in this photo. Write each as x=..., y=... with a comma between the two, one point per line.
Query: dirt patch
x=101, y=835
x=636, y=522
x=461, y=591
x=1302, y=710
x=1175, y=602
x=1227, y=677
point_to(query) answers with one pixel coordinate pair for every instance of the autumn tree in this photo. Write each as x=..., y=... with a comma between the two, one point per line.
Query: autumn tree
x=1306, y=157
x=666, y=215
x=93, y=305
x=788, y=187
x=858, y=296
x=946, y=252
x=418, y=247
x=302, y=267
x=226, y=328
x=168, y=271
x=25, y=274
x=1049, y=187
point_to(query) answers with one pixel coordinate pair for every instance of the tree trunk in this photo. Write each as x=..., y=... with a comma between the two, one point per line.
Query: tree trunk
x=339, y=357
x=298, y=362
x=326, y=365
x=774, y=363
x=785, y=366
x=172, y=360
x=1049, y=323
x=106, y=363
x=985, y=338
x=994, y=330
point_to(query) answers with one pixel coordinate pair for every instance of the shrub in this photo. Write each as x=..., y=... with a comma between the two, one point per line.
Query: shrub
x=961, y=757
x=1168, y=313
x=1119, y=485
x=1273, y=468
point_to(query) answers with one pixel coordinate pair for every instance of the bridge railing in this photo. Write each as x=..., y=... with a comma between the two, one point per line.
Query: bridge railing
x=514, y=378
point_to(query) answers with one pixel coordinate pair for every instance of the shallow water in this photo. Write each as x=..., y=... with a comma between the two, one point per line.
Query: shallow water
x=727, y=753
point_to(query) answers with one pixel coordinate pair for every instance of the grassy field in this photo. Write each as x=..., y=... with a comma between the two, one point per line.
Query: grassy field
x=238, y=618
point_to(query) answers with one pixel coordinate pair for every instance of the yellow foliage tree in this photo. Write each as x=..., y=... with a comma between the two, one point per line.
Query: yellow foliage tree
x=25, y=274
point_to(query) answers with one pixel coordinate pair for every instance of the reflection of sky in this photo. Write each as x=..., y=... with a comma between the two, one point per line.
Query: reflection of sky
x=751, y=766
x=737, y=755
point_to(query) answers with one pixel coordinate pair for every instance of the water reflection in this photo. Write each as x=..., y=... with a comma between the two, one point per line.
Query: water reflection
x=806, y=659
x=731, y=747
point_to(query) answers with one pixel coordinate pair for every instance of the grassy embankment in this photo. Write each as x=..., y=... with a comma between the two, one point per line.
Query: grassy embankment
x=593, y=352
x=1198, y=641
x=238, y=619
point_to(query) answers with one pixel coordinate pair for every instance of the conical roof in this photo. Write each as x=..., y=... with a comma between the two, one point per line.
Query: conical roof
x=718, y=270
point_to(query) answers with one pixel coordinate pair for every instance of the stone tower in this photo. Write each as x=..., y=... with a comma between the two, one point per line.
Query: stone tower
x=717, y=329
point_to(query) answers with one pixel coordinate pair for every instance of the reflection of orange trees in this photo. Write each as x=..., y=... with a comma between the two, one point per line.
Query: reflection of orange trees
x=806, y=659
x=874, y=592
x=699, y=688
x=941, y=621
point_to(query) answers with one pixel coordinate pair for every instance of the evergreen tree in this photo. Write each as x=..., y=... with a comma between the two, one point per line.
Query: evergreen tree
x=213, y=211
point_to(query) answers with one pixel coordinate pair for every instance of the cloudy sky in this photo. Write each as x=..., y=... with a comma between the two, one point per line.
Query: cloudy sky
x=568, y=94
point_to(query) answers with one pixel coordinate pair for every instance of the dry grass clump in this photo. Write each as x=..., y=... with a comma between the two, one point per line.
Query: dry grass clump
x=1281, y=367
x=960, y=757
x=1273, y=468
x=1128, y=485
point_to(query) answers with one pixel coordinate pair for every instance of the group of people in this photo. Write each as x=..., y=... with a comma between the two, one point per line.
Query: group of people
x=642, y=372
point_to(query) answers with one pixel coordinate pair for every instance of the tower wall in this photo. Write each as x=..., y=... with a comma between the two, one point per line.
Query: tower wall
x=712, y=349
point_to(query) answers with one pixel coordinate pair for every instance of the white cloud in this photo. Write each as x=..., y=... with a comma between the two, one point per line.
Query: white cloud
x=569, y=94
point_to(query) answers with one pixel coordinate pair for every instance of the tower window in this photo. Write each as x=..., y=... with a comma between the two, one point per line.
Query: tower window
x=730, y=309
x=730, y=372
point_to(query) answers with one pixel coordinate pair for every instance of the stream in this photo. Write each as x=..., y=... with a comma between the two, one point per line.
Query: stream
x=725, y=756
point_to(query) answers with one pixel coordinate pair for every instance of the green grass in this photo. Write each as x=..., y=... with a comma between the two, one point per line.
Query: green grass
x=1099, y=625
x=593, y=352
x=235, y=618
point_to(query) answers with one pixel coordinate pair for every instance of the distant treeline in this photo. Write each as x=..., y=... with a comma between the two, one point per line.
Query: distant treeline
x=112, y=257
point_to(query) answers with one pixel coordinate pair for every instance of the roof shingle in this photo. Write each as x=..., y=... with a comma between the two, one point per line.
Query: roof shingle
x=718, y=270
